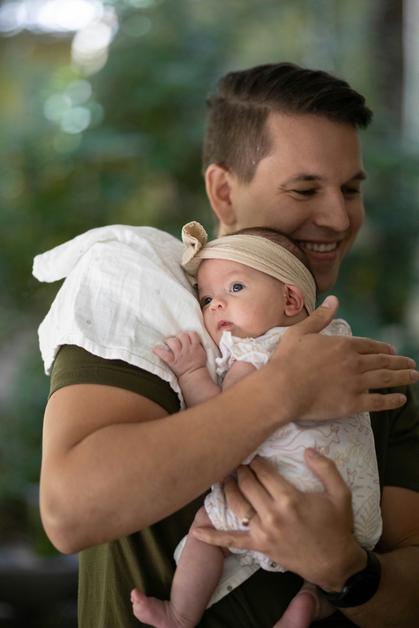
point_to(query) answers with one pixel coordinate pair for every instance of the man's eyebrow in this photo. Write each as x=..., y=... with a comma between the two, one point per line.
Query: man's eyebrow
x=360, y=176
x=303, y=177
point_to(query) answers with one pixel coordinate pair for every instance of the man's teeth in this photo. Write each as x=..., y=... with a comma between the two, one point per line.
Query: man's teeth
x=319, y=248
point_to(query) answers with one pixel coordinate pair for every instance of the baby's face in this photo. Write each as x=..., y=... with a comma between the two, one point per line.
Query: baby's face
x=239, y=299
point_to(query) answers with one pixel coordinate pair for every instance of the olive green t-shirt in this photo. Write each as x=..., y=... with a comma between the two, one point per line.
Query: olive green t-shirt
x=108, y=572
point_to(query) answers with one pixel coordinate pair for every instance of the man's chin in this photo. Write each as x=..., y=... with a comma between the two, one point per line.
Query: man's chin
x=325, y=281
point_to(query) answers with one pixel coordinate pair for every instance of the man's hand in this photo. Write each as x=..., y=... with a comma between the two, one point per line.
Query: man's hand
x=183, y=353
x=308, y=533
x=330, y=377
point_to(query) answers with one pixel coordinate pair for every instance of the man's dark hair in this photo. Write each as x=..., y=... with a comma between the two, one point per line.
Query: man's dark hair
x=237, y=137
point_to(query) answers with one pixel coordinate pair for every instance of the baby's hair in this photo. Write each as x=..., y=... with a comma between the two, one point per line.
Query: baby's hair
x=278, y=238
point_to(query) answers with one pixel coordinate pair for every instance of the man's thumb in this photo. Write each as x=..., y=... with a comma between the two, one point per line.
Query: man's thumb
x=321, y=317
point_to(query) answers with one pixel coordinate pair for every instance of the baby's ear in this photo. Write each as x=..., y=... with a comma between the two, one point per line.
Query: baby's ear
x=294, y=300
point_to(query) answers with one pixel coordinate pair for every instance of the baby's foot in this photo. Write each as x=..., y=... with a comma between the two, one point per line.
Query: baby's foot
x=299, y=613
x=155, y=612
x=306, y=607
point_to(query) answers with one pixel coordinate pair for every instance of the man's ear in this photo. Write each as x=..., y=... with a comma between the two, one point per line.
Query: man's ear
x=218, y=186
x=294, y=300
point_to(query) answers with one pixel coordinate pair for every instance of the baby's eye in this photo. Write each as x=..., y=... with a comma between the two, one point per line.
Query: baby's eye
x=205, y=301
x=237, y=286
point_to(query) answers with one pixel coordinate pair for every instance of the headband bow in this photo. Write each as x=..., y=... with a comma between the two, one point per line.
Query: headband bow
x=251, y=250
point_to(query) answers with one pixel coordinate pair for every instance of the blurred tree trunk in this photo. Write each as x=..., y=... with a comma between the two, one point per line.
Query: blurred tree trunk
x=398, y=239
x=387, y=33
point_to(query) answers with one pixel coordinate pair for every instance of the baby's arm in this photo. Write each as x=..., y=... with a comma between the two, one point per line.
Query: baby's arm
x=236, y=372
x=187, y=358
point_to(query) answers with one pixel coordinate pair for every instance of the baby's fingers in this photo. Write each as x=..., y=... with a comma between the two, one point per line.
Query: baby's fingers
x=164, y=353
x=174, y=343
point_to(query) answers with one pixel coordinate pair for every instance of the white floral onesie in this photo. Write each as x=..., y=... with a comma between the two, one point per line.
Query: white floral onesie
x=349, y=442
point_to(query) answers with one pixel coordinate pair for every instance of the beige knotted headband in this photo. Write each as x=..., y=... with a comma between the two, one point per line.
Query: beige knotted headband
x=251, y=250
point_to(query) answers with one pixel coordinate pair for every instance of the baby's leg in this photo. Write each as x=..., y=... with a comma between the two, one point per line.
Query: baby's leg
x=306, y=607
x=198, y=572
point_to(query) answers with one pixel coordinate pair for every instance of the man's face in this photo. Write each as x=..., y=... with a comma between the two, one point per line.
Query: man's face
x=308, y=187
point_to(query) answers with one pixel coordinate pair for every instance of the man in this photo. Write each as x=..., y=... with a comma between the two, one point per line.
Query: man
x=281, y=151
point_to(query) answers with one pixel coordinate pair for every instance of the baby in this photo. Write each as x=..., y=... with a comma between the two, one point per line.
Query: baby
x=252, y=286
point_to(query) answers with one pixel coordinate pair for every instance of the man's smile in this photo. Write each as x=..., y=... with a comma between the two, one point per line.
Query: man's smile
x=319, y=247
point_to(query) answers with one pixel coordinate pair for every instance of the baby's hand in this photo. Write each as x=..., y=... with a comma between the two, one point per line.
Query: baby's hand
x=183, y=353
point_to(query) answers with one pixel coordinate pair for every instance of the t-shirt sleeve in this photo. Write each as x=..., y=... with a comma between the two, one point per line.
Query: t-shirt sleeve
x=402, y=464
x=74, y=365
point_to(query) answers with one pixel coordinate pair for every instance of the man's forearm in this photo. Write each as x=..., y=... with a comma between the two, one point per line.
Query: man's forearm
x=396, y=603
x=125, y=476
x=113, y=463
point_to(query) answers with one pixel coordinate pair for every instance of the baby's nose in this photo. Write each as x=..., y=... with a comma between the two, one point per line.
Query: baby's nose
x=217, y=304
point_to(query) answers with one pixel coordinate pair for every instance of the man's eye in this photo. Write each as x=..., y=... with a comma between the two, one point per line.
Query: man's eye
x=309, y=192
x=236, y=287
x=205, y=301
x=351, y=191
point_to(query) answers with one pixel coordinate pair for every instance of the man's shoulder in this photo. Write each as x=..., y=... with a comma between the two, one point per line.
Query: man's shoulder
x=396, y=435
x=59, y=262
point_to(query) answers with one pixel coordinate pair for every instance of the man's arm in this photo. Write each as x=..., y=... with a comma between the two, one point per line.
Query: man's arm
x=396, y=603
x=311, y=534
x=112, y=463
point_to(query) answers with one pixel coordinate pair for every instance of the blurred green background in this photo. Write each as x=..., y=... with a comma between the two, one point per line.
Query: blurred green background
x=102, y=110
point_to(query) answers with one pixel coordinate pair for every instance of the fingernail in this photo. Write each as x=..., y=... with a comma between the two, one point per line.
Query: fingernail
x=328, y=302
x=414, y=376
x=312, y=453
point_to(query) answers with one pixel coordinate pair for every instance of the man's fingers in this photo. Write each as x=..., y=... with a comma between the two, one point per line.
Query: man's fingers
x=257, y=485
x=254, y=490
x=267, y=475
x=389, y=379
x=367, y=345
x=236, y=501
x=271, y=495
x=318, y=319
x=377, y=402
x=325, y=470
x=372, y=362
x=238, y=540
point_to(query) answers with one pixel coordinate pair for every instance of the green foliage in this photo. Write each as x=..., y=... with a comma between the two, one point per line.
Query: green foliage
x=137, y=160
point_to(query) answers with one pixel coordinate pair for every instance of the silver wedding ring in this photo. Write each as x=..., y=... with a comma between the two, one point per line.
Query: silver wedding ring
x=246, y=520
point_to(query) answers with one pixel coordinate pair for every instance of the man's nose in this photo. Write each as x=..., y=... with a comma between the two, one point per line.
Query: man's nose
x=333, y=213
